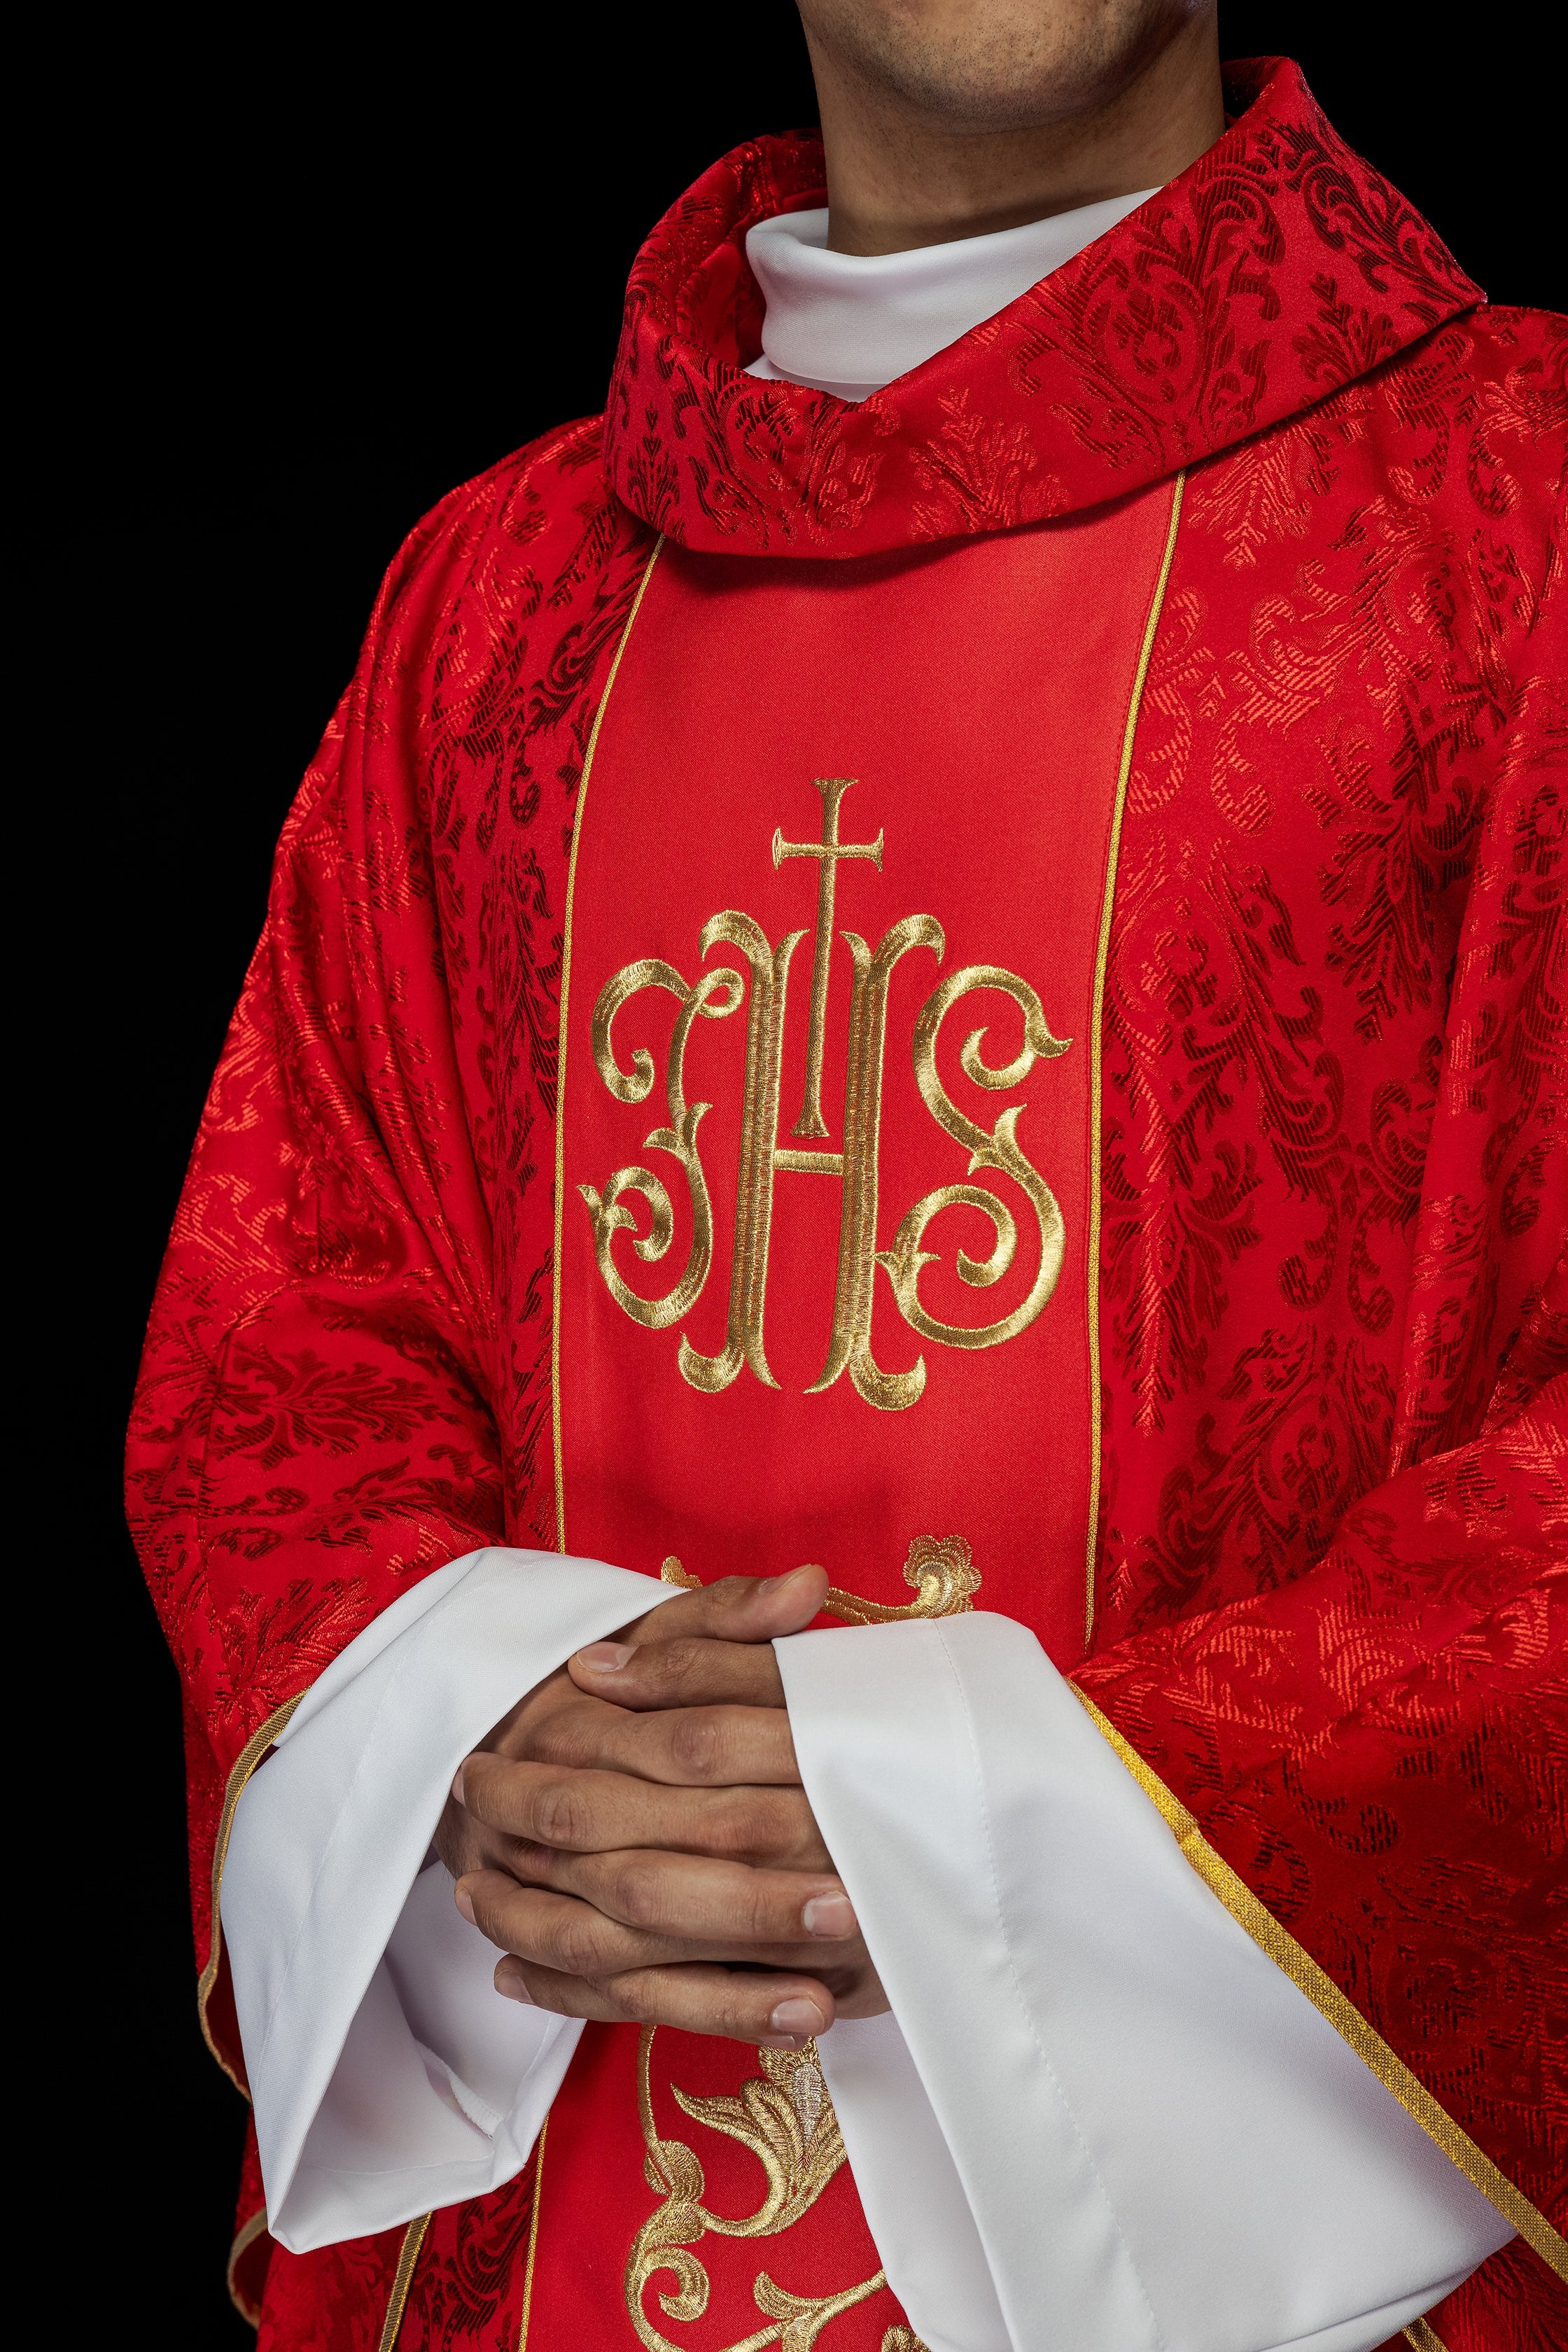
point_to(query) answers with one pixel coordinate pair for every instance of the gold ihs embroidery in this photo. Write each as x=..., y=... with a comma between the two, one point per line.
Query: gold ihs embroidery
x=785, y=2118
x=714, y=996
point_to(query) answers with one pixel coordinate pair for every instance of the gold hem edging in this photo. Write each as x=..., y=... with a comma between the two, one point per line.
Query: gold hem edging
x=1423, y=2338
x=1096, y=1041
x=402, y=2280
x=250, y=1756
x=246, y=2235
x=1342, y=2013
x=560, y=1064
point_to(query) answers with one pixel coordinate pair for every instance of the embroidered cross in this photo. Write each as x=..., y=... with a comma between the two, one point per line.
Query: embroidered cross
x=827, y=851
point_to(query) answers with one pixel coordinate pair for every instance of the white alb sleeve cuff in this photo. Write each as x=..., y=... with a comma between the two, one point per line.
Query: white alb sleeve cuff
x=1101, y=2118
x=387, y=2074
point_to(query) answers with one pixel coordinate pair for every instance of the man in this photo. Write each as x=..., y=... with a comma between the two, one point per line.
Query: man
x=869, y=1320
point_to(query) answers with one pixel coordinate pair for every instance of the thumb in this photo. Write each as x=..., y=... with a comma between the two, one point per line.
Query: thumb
x=737, y=1609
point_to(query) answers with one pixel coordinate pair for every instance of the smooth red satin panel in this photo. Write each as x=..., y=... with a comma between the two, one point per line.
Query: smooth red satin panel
x=979, y=702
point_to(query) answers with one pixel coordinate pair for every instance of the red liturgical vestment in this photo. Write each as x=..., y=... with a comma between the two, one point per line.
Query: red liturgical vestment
x=968, y=988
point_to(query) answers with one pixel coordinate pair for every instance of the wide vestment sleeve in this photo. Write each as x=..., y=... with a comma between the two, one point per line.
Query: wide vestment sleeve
x=1368, y=1762
x=315, y=1427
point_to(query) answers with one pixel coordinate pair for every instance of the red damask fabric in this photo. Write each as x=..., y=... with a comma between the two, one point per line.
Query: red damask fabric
x=1335, y=1363
x=1277, y=269
x=470, y=2282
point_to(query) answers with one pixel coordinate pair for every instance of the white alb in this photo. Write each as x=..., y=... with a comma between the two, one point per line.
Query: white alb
x=1098, y=2118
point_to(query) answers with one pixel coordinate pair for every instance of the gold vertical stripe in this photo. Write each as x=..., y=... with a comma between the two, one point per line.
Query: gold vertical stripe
x=560, y=1064
x=1097, y=1014
x=532, y=2235
x=1341, y=2013
x=250, y=1756
x=402, y=2280
x=1423, y=2338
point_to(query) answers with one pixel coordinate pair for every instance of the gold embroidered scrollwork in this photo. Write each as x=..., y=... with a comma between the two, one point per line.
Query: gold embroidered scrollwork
x=713, y=996
x=939, y=1571
x=785, y=2118
x=998, y=1150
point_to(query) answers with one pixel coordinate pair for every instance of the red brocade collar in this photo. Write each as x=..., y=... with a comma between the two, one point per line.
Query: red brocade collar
x=1276, y=269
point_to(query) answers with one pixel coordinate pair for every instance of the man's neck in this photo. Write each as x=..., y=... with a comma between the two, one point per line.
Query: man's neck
x=899, y=177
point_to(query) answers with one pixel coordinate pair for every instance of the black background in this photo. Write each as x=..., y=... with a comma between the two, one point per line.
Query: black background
x=299, y=296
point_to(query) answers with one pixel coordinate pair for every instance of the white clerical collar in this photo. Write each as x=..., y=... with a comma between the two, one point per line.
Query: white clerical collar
x=848, y=322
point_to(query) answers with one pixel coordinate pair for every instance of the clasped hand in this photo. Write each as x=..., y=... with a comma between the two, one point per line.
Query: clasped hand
x=635, y=1837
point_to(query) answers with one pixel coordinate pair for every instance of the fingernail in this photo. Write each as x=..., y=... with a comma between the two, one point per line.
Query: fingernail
x=457, y=1785
x=829, y=1915
x=780, y=2040
x=605, y=1657
x=801, y=2017
x=465, y=1904
x=509, y=1983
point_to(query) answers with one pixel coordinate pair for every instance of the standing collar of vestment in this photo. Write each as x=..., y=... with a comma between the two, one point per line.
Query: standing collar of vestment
x=1274, y=271
x=848, y=323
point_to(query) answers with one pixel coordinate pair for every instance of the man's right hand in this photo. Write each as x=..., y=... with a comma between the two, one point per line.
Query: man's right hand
x=731, y=1734
x=659, y=1859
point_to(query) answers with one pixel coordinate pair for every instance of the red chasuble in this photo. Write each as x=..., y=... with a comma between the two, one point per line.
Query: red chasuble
x=962, y=988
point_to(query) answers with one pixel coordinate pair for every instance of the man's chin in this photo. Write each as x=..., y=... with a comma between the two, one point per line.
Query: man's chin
x=997, y=66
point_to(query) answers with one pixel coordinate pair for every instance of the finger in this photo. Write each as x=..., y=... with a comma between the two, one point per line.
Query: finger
x=557, y=1931
x=464, y=1843
x=552, y=1989
x=781, y=2010
x=594, y=1812
x=690, y=1670
x=545, y=1804
x=739, y=1607
x=688, y=1747
x=726, y=1903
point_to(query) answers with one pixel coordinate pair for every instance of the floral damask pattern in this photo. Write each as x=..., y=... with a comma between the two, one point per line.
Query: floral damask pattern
x=1275, y=271
x=1332, y=1171
x=470, y=2281
x=330, y=2301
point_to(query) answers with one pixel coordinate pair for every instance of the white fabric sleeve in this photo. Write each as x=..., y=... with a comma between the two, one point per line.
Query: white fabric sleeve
x=388, y=2075
x=1100, y=2119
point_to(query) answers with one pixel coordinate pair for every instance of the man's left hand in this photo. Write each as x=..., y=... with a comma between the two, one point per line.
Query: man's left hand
x=675, y=1876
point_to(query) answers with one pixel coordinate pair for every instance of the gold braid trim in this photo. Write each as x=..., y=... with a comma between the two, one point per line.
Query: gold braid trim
x=246, y=2236
x=561, y=1063
x=1341, y=2013
x=402, y=2280
x=1423, y=2338
x=532, y=2235
x=1097, y=1046
x=250, y=1756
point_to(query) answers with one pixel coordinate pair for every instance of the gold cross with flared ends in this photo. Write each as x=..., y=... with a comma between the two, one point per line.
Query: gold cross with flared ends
x=827, y=851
